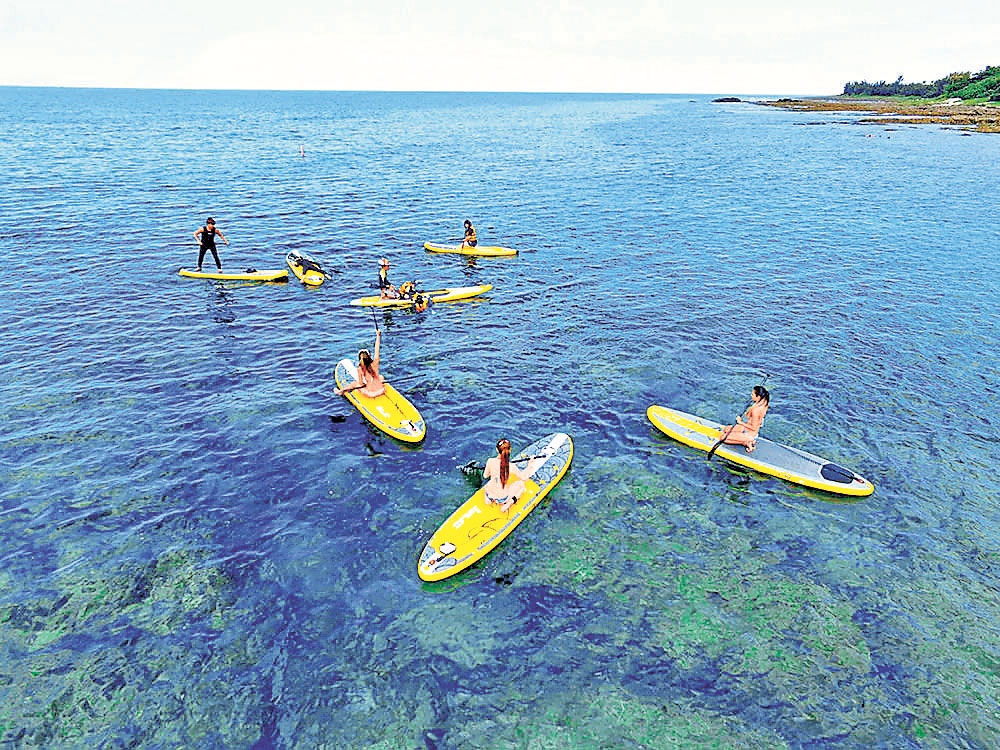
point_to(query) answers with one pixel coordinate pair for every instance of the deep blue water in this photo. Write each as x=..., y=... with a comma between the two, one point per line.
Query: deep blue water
x=202, y=546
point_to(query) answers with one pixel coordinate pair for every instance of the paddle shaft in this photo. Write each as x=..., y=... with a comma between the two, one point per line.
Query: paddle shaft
x=482, y=467
x=731, y=427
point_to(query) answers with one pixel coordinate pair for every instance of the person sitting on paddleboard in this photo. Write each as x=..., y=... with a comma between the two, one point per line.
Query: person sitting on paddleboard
x=747, y=427
x=369, y=381
x=408, y=290
x=499, y=487
x=207, y=241
x=386, y=289
x=470, y=235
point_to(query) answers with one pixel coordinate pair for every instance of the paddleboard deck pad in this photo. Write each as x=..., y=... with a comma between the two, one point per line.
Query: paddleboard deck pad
x=480, y=250
x=768, y=457
x=306, y=270
x=472, y=531
x=390, y=412
x=453, y=294
x=251, y=274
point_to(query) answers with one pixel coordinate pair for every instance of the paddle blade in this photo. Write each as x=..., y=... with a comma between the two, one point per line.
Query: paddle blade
x=472, y=468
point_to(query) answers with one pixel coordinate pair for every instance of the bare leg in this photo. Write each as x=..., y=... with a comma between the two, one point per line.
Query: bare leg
x=516, y=490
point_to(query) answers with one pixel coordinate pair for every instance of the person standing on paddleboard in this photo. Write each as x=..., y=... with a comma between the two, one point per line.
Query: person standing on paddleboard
x=207, y=241
x=470, y=239
x=369, y=381
x=747, y=427
x=499, y=487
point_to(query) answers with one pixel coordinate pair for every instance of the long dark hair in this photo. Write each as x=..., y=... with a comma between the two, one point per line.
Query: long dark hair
x=365, y=359
x=503, y=449
x=762, y=393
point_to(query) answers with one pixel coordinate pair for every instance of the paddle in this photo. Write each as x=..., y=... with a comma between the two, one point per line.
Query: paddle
x=733, y=426
x=476, y=466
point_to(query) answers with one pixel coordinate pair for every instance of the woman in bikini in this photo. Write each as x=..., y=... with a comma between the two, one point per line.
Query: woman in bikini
x=369, y=381
x=504, y=484
x=747, y=427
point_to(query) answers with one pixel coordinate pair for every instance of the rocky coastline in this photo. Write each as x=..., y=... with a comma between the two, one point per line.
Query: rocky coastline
x=983, y=118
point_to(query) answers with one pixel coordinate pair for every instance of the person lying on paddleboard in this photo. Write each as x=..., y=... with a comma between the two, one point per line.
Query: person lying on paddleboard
x=207, y=241
x=504, y=485
x=308, y=264
x=470, y=235
x=369, y=381
x=747, y=427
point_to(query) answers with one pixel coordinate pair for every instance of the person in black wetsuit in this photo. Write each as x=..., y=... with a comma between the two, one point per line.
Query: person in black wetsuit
x=206, y=241
x=386, y=289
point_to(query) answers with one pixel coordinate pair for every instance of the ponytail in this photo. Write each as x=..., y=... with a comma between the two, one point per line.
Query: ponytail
x=503, y=448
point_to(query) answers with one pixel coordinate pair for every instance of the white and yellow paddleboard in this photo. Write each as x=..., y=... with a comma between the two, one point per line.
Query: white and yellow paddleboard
x=480, y=250
x=472, y=531
x=390, y=412
x=251, y=274
x=453, y=294
x=306, y=269
x=768, y=457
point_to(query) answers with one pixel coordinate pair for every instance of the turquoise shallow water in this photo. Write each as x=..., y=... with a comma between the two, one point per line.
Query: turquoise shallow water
x=202, y=546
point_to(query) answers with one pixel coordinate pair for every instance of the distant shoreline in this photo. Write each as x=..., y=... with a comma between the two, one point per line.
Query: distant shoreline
x=982, y=118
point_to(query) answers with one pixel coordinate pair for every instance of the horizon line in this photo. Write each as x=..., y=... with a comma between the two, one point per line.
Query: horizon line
x=396, y=91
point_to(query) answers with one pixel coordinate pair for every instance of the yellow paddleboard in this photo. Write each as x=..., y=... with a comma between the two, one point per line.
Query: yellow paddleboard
x=441, y=295
x=390, y=412
x=276, y=274
x=477, y=250
x=768, y=457
x=472, y=531
x=306, y=269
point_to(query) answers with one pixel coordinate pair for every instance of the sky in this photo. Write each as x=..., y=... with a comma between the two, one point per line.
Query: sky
x=734, y=47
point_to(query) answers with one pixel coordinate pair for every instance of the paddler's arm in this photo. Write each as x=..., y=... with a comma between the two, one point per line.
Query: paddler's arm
x=222, y=236
x=488, y=469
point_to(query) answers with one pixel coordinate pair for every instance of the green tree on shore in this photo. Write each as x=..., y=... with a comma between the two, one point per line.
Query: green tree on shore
x=982, y=85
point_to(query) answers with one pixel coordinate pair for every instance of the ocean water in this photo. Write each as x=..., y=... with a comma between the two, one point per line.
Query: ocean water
x=202, y=546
